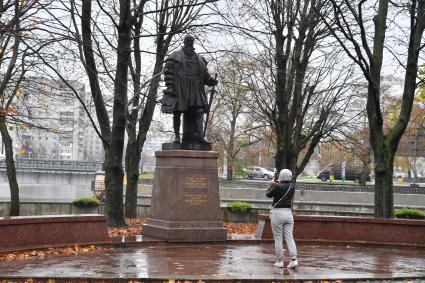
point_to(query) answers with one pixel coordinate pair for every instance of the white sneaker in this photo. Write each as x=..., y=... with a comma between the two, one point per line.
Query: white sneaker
x=278, y=264
x=293, y=263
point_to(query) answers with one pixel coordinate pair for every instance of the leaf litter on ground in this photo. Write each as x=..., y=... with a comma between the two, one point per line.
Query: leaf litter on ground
x=134, y=228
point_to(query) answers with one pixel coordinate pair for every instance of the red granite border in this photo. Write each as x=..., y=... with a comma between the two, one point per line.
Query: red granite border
x=19, y=220
x=53, y=230
x=343, y=229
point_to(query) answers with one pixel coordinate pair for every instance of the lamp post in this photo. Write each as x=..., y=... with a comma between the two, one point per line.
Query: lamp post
x=415, y=153
x=415, y=175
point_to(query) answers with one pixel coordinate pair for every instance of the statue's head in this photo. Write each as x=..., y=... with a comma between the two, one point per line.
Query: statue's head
x=188, y=40
x=188, y=44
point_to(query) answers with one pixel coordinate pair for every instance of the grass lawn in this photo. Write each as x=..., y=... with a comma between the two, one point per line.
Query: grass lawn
x=146, y=176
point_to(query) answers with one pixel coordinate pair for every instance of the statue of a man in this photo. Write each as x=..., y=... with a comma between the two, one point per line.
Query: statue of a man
x=185, y=75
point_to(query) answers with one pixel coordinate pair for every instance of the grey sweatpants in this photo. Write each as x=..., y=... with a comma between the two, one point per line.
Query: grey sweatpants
x=281, y=218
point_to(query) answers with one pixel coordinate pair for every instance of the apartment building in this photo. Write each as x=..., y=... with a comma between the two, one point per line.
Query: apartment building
x=53, y=123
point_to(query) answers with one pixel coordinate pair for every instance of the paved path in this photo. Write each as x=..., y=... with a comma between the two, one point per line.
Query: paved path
x=224, y=262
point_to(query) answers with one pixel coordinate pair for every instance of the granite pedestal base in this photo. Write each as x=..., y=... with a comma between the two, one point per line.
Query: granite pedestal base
x=185, y=204
x=186, y=146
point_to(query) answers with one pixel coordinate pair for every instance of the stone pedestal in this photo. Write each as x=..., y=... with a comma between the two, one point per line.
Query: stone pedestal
x=185, y=204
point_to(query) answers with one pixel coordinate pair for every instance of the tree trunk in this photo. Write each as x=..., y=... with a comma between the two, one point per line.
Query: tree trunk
x=11, y=171
x=229, y=168
x=114, y=176
x=114, y=173
x=92, y=73
x=132, y=160
x=384, y=190
x=279, y=164
x=132, y=154
x=285, y=158
x=364, y=174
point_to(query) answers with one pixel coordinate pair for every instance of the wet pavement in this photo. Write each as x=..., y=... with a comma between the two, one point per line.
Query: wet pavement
x=225, y=261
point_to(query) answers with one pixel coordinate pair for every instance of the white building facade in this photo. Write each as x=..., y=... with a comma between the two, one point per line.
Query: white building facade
x=54, y=124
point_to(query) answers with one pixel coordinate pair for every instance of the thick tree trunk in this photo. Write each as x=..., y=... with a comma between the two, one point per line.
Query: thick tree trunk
x=132, y=160
x=11, y=171
x=114, y=173
x=384, y=189
x=114, y=192
x=132, y=154
x=279, y=162
x=285, y=158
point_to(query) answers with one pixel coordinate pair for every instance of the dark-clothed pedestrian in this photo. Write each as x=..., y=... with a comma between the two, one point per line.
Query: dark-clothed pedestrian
x=282, y=220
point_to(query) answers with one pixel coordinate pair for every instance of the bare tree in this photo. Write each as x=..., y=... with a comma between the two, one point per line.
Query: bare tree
x=361, y=29
x=232, y=126
x=17, y=23
x=296, y=79
x=356, y=145
x=113, y=136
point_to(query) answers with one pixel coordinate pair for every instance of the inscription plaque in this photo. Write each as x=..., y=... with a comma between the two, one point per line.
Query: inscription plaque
x=195, y=189
x=195, y=199
x=195, y=183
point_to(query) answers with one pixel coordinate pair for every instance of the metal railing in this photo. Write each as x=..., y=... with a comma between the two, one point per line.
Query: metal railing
x=100, y=186
x=320, y=187
x=54, y=165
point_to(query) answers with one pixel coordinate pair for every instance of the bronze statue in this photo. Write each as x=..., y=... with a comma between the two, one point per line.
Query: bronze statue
x=185, y=75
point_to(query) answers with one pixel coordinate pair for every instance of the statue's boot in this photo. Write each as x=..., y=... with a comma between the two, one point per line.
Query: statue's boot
x=177, y=138
x=204, y=141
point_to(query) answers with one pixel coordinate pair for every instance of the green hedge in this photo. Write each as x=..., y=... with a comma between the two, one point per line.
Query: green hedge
x=239, y=207
x=411, y=213
x=86, y=202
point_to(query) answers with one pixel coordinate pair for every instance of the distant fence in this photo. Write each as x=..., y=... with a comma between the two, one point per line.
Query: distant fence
x=100, y=186
x=54, y=165
x=320, y=187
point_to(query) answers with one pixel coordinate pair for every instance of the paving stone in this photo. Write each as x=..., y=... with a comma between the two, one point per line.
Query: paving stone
x=225, y=262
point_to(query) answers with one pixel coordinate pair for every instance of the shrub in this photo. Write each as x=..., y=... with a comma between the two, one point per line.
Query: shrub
x=411, y=213
x=239, y=207
x=86, y=202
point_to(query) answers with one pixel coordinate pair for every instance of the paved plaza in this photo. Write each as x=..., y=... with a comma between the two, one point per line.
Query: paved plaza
x=233, y=260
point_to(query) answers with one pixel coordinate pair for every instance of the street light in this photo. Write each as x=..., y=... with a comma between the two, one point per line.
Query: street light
x=415, y=153
x=415, y=175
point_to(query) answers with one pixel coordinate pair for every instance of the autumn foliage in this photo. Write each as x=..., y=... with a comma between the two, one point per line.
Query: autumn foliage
x=134, y=228
x=240, y=228
x=76, y=249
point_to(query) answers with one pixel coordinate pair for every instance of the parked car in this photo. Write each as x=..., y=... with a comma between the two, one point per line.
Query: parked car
x=352, y=172
x=259, y=172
